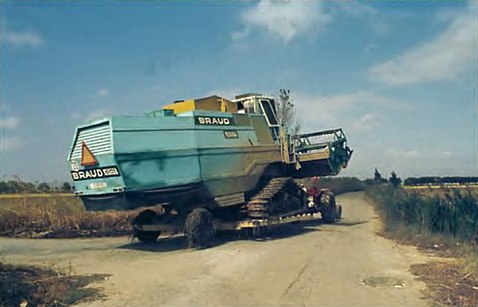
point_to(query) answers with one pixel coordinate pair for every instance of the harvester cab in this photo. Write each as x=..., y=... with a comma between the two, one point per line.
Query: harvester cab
x=320, y=153
x=259, y=104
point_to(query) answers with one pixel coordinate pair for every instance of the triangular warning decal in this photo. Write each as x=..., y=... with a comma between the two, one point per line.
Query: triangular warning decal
x=87, y=157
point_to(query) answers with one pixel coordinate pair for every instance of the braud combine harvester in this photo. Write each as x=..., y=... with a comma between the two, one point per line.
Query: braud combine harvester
x=211, y=164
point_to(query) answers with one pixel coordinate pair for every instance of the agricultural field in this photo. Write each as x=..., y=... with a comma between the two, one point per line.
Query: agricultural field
x=57, y=215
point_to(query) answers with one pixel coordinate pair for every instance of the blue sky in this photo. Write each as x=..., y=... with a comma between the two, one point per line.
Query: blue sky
x=398, y=76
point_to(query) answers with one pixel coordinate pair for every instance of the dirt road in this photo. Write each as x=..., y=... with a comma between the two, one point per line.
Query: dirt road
x=345, y=264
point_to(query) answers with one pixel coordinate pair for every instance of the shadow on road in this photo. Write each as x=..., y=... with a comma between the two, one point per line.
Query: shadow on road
x=164, y=244
x=352, y=223
x=178, y=242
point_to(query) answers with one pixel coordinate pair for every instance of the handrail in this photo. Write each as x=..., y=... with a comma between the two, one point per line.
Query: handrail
x=319, y=133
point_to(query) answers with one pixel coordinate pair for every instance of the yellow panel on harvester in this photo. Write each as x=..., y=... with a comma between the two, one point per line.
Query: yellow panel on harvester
x=181, y=107
x=212, y=103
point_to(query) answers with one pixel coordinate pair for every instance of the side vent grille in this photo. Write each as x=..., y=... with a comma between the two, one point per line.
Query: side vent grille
x=97, y=138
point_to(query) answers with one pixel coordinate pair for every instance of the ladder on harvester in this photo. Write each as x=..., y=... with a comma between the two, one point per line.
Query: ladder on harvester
x=287, y=148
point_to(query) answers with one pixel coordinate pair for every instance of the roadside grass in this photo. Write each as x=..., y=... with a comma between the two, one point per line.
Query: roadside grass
x=35, y=286
x=444, y=222
x=454, y=213
x=441, y=190
x=58, y=216
x=451, y=284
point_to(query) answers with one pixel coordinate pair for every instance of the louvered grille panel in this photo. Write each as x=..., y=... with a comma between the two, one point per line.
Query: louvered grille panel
x=97, y=138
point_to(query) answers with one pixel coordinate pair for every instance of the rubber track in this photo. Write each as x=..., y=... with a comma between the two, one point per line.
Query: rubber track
x=260, y=205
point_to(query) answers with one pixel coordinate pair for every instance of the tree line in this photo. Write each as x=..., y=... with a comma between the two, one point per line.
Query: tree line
x=412, y=181
x=18, y=186
x=417, y=181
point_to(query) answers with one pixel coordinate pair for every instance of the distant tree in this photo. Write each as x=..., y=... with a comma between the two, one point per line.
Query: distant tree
x=14, y=186
x=368, y=181
x=44, y=187
x=66, y=187
x=410, y=181
x=394, y=180
x=285, y=110
x=3, y=187
x=377, y=177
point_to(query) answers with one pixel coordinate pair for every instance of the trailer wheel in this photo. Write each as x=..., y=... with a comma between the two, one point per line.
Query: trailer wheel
x=145, y=217
x=338, y=212
x=328, y=207
x=147, y=236
x=199, y=228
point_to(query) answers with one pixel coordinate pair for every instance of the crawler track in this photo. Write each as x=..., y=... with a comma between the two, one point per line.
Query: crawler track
x=280, y=195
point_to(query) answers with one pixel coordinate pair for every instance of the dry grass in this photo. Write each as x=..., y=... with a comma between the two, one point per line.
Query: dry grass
x=32, y=286
x=449, y=283
x=58, y=216
x=441, y=190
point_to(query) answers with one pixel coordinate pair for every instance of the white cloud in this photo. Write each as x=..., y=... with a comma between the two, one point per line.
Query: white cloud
x=102, y=92
x=226, y=93
x=9, y=123
x=23, y=38
x=284, y=19
x=444, y=58
x=96, y=115
x=238, y=35
x=10, y=143
x=83, y=118
x=7, y=141
x=368, y=14
x=402, y=153
x=335, y=110
x=366, y=122
x=446, y=153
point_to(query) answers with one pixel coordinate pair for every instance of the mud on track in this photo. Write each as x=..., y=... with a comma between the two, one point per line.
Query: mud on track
x=345, y=264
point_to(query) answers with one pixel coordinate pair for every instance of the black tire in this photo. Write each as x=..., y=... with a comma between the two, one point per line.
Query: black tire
x=199, y=228
x=145, y=217
x=147, y=237
x=328, y=207
x=260, y=232
x=338, y=212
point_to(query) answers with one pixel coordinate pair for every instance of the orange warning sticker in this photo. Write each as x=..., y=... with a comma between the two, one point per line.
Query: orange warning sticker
x=87, y=157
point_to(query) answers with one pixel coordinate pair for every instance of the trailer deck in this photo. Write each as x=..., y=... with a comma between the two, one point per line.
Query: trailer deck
x=291, y=217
